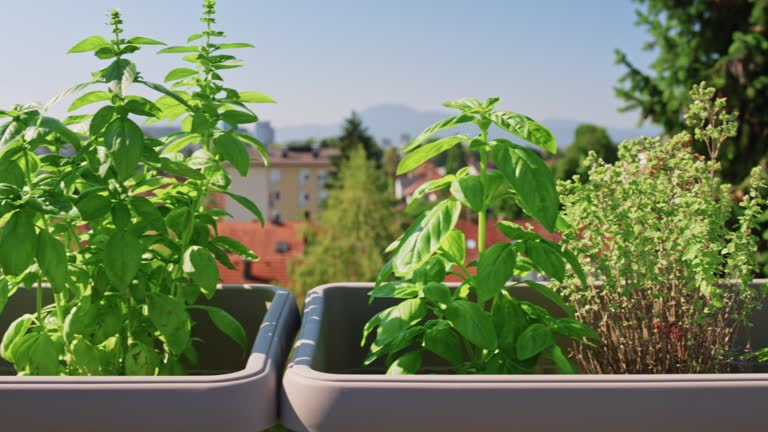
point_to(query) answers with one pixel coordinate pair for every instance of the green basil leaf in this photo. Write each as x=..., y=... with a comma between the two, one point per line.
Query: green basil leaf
x=254, y=97
x=11, y=173
x=235, y=246
x=561, y=361
x=443, y=341
x=201, y=267
x=85, y=356
x=179, y=49
x=100, y=119
x=18, y=243
x=235, y=118
x=448, y=123
x=406, y=364
x=179, y=220
x=526, y=128
x=141, y=360
x=425, y=236
x=466, y=104
x=13, y=336
x=227, y=324
x=52, y=258
x=234, y=45
x=534, y=339
x=121, y=215
x=89, y=98
x=121, y=258
x=5, y=293
x=171, y=319
x=495, y=268
x=454, y=247
x=472, y=322
x=398, y=319
x=232, y=150
x=574, y=329
x=96, y=322
x=179, y=73
x=124, y=141
x=256, y=144
x=44, y=356
x=248, y=204
x=469, y=190
x=426, y=152
x=550, y=295
x=140, y=40
x=547, y=258
x=91, y=43
x=148, y=213
x=397, y=289
x=532, y=181
x=509, y=320
x=92, y=205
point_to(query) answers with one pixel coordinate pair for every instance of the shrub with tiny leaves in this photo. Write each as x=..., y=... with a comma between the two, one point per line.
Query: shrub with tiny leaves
x=653, y=228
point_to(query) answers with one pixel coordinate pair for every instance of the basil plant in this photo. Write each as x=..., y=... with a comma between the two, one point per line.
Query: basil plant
x=478, y=327
x=115, y=221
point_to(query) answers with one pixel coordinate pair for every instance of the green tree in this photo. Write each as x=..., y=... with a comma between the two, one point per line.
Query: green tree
x=353, y=230
x=724, y=43
x=587, y=138
x=355, y=135
x=389, y=160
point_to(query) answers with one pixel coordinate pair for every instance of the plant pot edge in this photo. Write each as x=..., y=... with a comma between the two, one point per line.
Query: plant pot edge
x=313, y=400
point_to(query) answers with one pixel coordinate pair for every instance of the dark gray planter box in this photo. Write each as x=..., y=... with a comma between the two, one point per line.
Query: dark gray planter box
x=325, y=388
x=229, y=391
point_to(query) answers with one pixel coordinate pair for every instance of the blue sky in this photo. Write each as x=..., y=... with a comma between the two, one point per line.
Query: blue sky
x=551, y=59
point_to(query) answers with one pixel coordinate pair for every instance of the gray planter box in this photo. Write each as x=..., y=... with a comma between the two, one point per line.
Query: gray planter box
x=325, y=388
x=229, y=391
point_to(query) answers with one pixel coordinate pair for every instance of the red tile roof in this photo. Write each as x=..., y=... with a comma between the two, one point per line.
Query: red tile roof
x=272, y=266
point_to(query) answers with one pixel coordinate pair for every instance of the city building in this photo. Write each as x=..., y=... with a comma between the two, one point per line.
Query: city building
x=292, y=188
x=265, y=133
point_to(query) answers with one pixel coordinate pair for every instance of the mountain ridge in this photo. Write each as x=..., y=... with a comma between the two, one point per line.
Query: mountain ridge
x=390, y=121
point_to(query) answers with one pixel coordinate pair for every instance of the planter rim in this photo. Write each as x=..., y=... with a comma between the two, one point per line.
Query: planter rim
x=300, y=363
x=256, y=366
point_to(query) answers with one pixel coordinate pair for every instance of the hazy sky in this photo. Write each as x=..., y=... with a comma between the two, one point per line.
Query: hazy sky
x=321, y=59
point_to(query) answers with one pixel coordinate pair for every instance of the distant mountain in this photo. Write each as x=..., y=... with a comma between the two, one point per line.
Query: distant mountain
x=391, y=121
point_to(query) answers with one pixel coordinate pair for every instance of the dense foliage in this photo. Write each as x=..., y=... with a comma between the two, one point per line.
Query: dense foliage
x=479, y=327
x=653, y=229
x=587, y=138
x=114, y=220
x=722, y=42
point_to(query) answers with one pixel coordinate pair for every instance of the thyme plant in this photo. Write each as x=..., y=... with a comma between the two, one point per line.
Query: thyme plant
x=114, y=221
x=654, y=229
x=479, y=327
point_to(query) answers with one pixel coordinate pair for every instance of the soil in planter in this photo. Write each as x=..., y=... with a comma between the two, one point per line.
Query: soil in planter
x=218, y=354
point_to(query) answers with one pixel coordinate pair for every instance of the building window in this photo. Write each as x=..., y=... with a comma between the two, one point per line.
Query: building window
x=274, y=175
x=282, y=247
x=322, y=177
x=304, y=176
x=303, y=200
x=323, y=195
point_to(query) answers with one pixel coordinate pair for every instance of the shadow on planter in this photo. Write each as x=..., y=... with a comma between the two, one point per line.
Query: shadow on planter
x=226, y=392
x=326, y=389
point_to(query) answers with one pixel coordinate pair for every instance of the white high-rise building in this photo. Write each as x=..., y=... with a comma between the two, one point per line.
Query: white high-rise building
x=265, y=133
